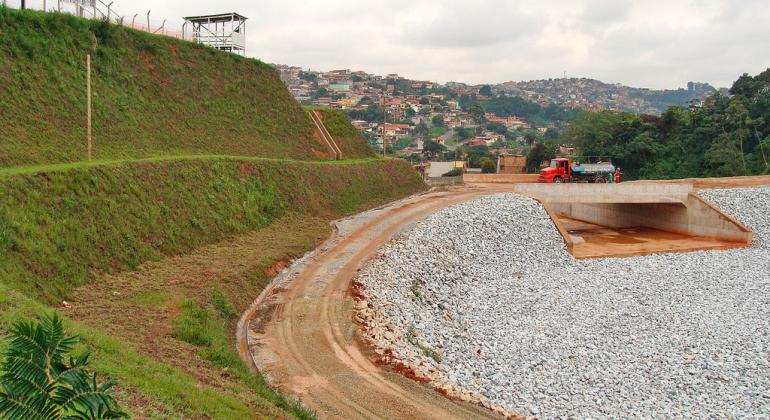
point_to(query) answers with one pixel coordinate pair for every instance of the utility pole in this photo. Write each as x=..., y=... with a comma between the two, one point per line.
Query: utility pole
x=88, y=106
x=384, y=121
x=23, y=4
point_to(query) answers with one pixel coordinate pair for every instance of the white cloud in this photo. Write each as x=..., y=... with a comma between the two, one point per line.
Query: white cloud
x=652, y=43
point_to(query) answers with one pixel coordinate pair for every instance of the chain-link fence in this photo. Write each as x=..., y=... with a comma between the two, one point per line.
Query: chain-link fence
x=99, y=9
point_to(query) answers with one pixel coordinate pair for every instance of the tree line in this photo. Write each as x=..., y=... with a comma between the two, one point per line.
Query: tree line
x=726, y=135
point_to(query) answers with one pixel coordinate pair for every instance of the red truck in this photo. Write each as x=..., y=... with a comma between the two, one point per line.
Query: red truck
x=563, y=170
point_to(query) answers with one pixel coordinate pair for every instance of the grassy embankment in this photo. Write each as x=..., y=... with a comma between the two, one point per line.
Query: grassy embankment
x=158, y=256
x=101, y=237
x=347, y=137
x=152, y=96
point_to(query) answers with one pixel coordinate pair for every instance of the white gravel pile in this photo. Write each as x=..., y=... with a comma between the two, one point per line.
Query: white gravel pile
x=484, y=297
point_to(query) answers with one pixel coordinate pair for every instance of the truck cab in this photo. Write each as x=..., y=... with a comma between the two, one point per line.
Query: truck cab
x=558, y=171
x=563, y=170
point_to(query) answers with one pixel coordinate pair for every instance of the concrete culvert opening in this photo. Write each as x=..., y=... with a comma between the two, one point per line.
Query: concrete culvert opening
x=636, y=219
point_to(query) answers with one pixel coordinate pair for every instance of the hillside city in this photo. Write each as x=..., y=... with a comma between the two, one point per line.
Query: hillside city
x=513, y=115
x=594, y=95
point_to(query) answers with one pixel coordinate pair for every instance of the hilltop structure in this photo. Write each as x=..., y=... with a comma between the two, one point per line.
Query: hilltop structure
x=226, y=31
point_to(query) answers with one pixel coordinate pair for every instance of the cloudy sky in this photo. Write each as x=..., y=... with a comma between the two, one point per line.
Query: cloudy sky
x=650, y=43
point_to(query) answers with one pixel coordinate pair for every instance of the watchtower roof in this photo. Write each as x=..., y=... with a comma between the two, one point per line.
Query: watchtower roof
x=221, y=17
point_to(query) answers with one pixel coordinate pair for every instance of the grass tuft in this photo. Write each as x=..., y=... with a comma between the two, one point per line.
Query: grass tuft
x=411, y=338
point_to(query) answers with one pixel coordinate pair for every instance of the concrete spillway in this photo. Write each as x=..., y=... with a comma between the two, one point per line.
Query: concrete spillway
x=599, y=220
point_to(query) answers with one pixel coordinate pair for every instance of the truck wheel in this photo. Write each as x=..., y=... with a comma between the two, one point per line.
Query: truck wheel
x=558, y=180
x=600, y=180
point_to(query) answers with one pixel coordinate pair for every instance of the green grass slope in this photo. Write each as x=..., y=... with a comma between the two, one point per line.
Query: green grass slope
x=152, y=95
x=59, y=228
x=347, y=137
x=159, y=256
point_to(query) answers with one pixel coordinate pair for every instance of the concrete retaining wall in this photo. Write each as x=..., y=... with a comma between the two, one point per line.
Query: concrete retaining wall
x=499, y=178
x=444, y=181
x=693, y=217
x=607, y=193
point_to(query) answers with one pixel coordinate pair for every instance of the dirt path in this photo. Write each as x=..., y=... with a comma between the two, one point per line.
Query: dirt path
x=301, y=335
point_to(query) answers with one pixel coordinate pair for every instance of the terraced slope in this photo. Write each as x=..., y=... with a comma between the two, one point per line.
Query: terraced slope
x=157, y=258
x=152, y=96
x=207, y=179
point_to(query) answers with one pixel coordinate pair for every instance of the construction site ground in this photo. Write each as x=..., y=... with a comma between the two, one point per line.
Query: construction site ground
x=594, y=241
x=300, y=332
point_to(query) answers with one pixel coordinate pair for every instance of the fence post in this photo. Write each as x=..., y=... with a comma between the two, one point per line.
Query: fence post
x=148, y=21
x=88, y=106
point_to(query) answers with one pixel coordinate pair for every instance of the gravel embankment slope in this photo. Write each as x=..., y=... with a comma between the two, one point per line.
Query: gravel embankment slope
x=483, y=298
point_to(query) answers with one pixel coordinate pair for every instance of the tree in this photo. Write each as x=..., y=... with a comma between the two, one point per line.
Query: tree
x=475, y=154
x=463, y=133
x=320, y=93
x=551, y=134
x=424, y=101
x=724, y=156
x=307, y=76
x=372, y=113
x=421, y=129
x=723, y=136
x=531, y=136
x=437, y=120
x=497, y=127
x=747, y=85
x=540, y=153
x=485, y=90
x=477, y=112
x=488, y=166
x=433, y=147
x=40, y=382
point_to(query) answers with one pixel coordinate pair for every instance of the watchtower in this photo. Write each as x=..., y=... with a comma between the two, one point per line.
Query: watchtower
x=226, y=31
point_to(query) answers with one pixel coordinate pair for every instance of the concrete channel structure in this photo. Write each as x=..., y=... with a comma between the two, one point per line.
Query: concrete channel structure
x=599, y=220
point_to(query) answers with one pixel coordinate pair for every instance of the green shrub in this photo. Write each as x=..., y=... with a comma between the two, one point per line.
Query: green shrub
x=220, y=304
x=488, y=166
x=454, y=172
x=195, y=325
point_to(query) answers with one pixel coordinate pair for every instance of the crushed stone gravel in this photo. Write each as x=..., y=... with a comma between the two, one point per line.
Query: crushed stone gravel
x=483, y=299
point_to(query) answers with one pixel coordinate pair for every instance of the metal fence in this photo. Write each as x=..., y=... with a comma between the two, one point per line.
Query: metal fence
x=98, y=9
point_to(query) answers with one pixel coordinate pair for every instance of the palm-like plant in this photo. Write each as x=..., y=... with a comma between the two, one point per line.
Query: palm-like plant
x=40, y=381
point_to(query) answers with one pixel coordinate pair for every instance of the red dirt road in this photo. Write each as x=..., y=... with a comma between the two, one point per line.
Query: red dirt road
x=302, y=337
